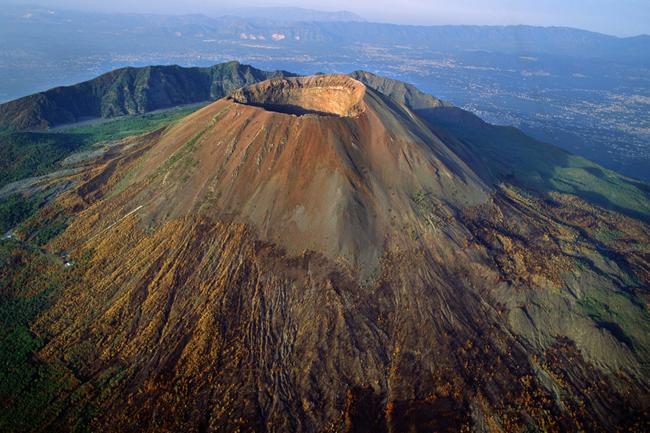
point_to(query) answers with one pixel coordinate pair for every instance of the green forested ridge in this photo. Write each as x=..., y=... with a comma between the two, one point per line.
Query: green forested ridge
x=128, y=91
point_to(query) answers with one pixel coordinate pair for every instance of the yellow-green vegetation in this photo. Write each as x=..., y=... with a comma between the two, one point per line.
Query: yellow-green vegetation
x=130, y=125
x=184, y=152
x=28, y=154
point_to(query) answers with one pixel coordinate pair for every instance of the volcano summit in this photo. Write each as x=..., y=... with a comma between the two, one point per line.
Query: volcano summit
x=346, y=253
x=335, y=95
x=319, y=163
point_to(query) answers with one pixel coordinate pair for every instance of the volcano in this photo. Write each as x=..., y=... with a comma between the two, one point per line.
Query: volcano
x=320, y=163
x=345, y=253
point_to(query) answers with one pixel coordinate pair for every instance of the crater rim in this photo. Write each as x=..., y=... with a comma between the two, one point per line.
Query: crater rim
x=331, y=95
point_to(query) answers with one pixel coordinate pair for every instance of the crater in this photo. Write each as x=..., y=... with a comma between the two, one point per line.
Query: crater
x=322, y=95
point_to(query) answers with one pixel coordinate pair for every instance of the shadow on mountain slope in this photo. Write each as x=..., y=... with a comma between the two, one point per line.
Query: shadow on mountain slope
x=511, y=155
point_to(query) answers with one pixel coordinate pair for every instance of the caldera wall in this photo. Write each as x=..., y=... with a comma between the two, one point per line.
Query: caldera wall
x=333, y=95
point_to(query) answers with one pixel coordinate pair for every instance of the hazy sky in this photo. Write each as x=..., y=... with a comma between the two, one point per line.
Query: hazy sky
x=619, y=17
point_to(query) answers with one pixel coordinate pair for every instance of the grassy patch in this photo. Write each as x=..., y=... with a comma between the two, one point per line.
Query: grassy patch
x=187, y=149
x=619, y=313
x=130, y=125
x=28, y=154
x=419, y=198
x=608, y=236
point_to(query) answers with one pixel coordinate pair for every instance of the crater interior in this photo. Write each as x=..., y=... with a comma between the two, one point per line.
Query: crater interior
x=325, y=95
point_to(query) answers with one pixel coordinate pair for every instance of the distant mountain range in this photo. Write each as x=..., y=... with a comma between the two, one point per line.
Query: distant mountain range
x=302, y=26
x=584, y=91
x=294, y=14
x=128, y=91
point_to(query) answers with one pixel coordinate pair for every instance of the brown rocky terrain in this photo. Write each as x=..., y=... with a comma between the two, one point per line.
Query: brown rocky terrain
x=310, y=254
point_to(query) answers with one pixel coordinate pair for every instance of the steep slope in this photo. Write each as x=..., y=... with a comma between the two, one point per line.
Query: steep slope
x=128, y=91
x=403, y=93
x=508, y=154
x=309, y=254
x=332, y=175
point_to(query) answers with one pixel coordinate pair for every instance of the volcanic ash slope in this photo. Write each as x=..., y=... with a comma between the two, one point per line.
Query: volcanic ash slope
x=309, y=255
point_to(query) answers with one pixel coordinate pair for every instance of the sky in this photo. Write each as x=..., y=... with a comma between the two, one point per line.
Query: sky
x=616, y=17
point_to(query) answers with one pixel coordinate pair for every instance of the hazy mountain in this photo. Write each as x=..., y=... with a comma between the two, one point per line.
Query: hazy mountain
x=316, y=27
x=583, y=91
x=294, y=14
x=329, y=253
